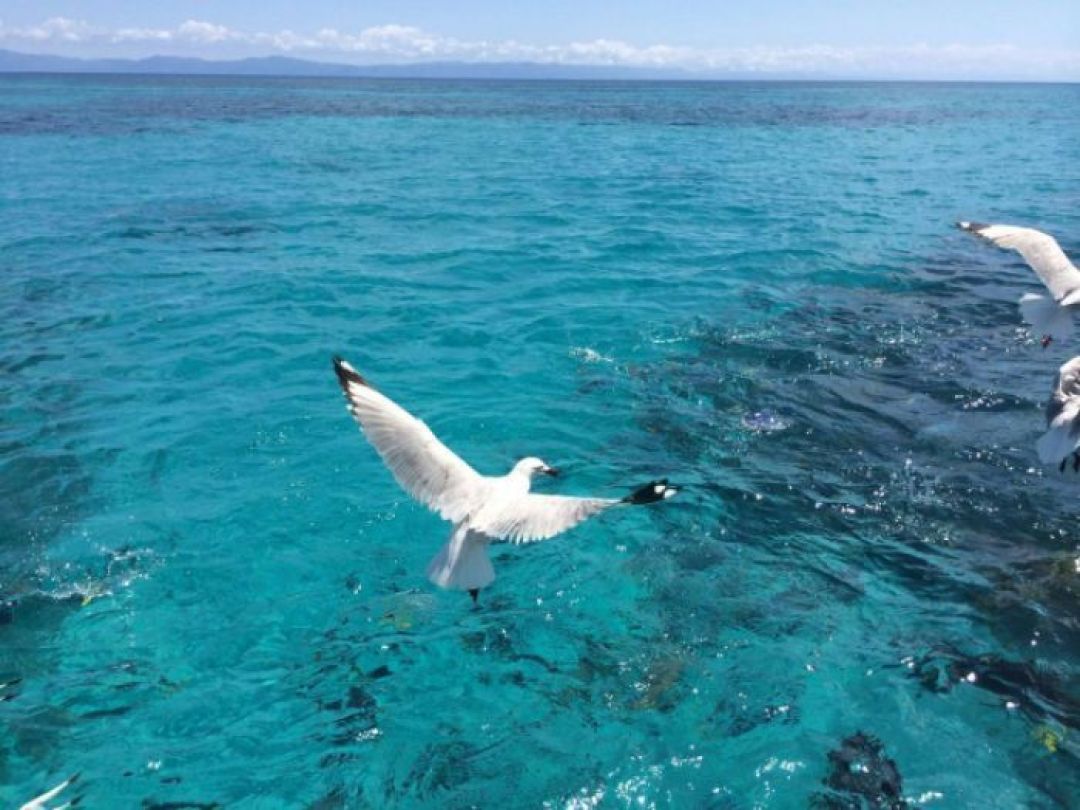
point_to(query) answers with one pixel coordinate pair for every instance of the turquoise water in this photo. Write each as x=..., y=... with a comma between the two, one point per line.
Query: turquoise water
x=212, y=591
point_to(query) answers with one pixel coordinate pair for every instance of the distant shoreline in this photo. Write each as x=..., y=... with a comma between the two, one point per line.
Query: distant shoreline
x=90, y=74
x=15, y=63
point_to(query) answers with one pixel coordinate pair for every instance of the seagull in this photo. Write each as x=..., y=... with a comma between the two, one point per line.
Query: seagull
x=1062, y=437
x=40, y=802
x=483, y=509
x=1051, y=317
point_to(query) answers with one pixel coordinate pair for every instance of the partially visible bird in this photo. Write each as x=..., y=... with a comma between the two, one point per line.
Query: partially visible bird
x=1051, y=318
x=1062, y=438
x=39, y=803
x=482, y=508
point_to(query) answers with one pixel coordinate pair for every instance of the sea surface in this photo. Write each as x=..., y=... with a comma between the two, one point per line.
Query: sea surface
x=212, y=593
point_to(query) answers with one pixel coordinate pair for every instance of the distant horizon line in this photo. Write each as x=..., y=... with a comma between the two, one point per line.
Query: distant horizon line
x=14, y=62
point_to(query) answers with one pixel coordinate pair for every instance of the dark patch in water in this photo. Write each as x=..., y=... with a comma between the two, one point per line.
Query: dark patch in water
x=359, y=699
x=336, y=799
x=7, y=689
x=337, y=758
x=732, y=717
x=861, y=776
x=441, y=766
x=97, y=714
x=127, y=105
x=1039, y=691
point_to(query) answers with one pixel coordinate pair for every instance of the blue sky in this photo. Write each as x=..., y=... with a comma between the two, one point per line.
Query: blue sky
x=1038, y=39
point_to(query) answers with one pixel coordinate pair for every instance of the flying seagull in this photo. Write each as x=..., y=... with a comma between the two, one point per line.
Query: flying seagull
x=1062, y=437
x=39, y=803
x=1050, y=317
x=482, y=508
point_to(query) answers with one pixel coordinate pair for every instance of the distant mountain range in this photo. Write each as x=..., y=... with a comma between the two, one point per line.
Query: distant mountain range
x=16, y=62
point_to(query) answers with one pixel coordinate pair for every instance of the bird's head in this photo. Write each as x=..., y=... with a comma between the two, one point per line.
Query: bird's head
x=528, y=467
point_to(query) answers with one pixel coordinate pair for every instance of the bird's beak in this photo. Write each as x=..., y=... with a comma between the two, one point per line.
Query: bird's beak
x=552, y=471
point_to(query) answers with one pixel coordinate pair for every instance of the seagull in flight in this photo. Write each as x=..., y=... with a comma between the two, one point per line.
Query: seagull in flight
x=483, y=509
x=1062, y=437
x=1050, y=317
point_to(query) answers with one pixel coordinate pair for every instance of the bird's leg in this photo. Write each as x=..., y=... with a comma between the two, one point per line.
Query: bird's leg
x=1076, y=462
x=1046, y=340
x=475, y=592
x=1061, y=466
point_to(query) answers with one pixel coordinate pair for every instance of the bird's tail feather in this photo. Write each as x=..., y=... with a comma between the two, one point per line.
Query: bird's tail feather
x=1046, y=316
x=1057, y=443
x=462, y=564
x=651, y=493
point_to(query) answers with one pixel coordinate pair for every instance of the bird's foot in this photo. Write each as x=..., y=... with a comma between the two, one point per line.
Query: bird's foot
x=1046, y=340
x=475, y=594
x=1061, y=466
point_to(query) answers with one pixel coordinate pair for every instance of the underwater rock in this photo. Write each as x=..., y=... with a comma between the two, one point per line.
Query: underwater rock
x=860, y=775
x=405, y=611
x=660, y=681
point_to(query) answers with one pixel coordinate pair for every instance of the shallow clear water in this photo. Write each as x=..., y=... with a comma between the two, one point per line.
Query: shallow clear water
x=213, y=592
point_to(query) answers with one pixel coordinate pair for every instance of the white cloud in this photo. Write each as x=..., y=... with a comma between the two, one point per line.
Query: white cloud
x=141, y=35
x=55, y=29
x=403, y=43
x=199, y=31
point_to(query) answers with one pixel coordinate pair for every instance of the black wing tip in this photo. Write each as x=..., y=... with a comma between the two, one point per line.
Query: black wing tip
x=346, y=373
x=652, y=492
x=972, y=227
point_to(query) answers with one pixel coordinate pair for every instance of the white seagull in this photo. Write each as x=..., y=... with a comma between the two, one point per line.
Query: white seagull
x=39, y=803
x=1062, y=437
x=1050, y=317
x=482, y=508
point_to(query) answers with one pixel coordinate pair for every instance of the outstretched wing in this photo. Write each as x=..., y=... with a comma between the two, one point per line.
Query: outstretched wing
x=38, y=803
x=537, y=517
x=530, y=517
x=425, y=467
x=1062, y=436
x=1039, y=250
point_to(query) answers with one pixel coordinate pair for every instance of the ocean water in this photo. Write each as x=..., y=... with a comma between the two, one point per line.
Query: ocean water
x=212, y=592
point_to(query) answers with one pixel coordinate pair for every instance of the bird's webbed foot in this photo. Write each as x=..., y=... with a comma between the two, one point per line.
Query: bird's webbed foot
x=475, y=594
x=1046, y=340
